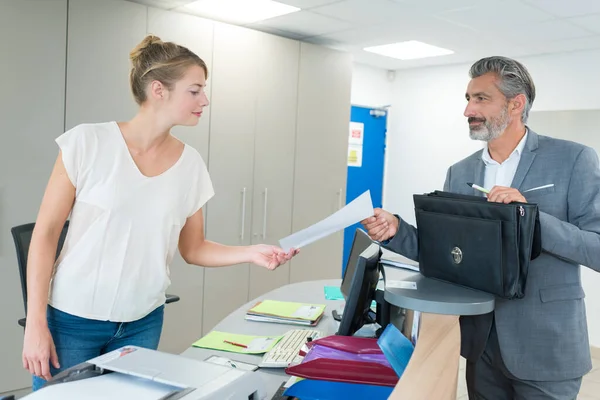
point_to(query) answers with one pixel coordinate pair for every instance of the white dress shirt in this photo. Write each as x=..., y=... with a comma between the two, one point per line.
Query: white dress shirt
x=497, y=174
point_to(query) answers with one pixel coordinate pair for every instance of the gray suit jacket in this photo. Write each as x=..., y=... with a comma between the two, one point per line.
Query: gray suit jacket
x=543, y=337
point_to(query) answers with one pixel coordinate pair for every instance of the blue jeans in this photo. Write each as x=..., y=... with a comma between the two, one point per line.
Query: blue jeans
x=80, y=339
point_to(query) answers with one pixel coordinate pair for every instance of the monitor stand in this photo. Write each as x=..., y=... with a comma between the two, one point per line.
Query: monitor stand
x=381, y=315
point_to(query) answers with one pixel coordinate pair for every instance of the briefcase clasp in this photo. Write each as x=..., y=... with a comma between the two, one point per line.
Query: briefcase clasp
x=457, y=255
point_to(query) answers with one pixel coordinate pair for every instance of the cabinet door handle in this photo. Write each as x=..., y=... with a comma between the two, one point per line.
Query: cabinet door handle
x=243, y=213
x=264, y=234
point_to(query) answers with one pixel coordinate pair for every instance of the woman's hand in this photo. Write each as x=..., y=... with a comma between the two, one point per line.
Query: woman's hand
x=39, y=350
x=270, y=257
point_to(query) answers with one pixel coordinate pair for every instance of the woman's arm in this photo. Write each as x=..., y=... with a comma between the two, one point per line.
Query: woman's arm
x=55, y=208
x=38, y=346
x=195, y=249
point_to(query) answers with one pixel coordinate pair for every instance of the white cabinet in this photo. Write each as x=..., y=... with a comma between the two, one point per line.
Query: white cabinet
x=231, y=165
x=275, y=136
x=321, y=156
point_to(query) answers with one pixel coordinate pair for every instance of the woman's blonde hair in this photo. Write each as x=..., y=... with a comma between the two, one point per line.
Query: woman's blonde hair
x=166, y=62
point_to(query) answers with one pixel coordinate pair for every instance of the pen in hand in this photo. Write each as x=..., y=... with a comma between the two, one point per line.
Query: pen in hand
x=477, y=187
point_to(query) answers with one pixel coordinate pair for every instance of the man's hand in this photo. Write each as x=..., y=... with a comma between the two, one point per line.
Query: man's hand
x=381, y=226
x=502, y=194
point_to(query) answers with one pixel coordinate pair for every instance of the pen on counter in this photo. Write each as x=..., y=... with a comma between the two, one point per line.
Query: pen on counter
x=477, y=187
x=235, y=344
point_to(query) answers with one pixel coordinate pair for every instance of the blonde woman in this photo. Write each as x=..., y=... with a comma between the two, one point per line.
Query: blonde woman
x=135, y=194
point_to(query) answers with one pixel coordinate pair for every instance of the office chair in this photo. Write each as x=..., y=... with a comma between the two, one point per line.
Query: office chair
x=22, y=237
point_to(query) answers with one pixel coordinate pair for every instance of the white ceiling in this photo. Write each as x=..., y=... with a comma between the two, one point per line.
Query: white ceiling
x=471, y=28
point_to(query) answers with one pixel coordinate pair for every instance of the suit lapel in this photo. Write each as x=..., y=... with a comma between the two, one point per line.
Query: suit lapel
x=526, y=160
x=479, y=174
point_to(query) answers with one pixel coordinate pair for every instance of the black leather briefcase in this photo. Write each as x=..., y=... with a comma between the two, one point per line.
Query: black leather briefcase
x=471, y=242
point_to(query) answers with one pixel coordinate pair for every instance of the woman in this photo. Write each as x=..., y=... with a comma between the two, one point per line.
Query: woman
x=135, y=193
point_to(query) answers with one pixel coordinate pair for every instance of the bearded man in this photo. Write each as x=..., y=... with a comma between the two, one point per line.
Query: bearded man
x=536, y=347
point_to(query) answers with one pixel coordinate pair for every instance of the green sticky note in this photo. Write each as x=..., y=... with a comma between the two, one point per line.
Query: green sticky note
x=333, y=293
x=253, y=344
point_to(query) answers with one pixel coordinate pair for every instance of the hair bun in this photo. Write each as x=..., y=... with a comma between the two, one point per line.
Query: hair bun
x=148, y=41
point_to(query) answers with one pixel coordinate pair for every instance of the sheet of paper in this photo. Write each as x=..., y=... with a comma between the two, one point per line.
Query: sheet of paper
x=226, y=362
x=307, y=312
x=288, y=309
x=414, y=334
x=333, y=293
x=110, y=386
x=292, y=381
x=402, y=285
x=357, y=210
x=262, y=345
x=255, y=344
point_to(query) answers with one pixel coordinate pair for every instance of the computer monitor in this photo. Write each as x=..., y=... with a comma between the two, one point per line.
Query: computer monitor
x=360, y=243
x=361, y=290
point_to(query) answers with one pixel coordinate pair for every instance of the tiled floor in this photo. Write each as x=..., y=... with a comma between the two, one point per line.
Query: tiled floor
x=590, y=388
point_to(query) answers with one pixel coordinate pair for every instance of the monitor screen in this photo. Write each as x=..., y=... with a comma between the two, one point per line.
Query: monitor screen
x=360, y=243
x=361, y=291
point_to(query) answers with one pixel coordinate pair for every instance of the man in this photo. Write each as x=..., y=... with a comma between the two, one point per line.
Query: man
x=536, y=347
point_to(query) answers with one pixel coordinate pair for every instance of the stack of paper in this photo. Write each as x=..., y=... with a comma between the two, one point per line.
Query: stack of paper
x=396, y=260
x=285, y=312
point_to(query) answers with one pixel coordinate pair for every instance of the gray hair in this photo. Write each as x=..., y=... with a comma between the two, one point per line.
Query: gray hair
x=514, y=79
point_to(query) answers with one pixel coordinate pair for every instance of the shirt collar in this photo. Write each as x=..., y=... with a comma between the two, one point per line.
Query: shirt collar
x=487, y=159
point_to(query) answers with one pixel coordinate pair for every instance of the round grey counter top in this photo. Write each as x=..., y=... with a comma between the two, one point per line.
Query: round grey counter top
x=419, y=293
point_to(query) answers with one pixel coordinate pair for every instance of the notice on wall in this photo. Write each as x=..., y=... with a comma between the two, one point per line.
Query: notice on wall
x=354, y=155
x=355, y=144
x=357, y=132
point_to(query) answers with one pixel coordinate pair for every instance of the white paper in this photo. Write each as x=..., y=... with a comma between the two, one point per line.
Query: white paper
x=308, y=312
x=260, y=344
x=357, y=210
x=356, y=133
x=414, y=334
x=401, y=285
x=396, y=260
x=113, y=386
x=226, y=362
x=290, y=381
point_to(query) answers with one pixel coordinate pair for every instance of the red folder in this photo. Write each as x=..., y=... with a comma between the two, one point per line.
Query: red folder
x=345, y=359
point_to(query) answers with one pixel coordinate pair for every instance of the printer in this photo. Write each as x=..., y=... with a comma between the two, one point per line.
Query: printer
x=133, y=372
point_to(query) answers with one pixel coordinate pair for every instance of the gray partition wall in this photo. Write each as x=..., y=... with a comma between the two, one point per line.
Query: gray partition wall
x=274, y=139
x=32, y=67
x=582, y=126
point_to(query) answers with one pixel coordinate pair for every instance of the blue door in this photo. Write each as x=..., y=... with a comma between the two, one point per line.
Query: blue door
x=365, y=162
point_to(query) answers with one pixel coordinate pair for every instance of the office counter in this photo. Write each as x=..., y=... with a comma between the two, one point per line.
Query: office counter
x=437, y=351
x=303, y=292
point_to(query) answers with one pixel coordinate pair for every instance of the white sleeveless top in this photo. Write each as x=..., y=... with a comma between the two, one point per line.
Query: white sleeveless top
x=124, y=227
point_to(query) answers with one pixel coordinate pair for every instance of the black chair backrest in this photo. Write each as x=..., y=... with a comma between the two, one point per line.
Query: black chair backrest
x=22, y=237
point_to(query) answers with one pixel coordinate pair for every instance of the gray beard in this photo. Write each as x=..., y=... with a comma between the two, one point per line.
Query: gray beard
x=491, y=129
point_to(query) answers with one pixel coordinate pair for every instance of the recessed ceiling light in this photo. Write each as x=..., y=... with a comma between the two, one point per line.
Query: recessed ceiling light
x=410, y=50
x=240, y=11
